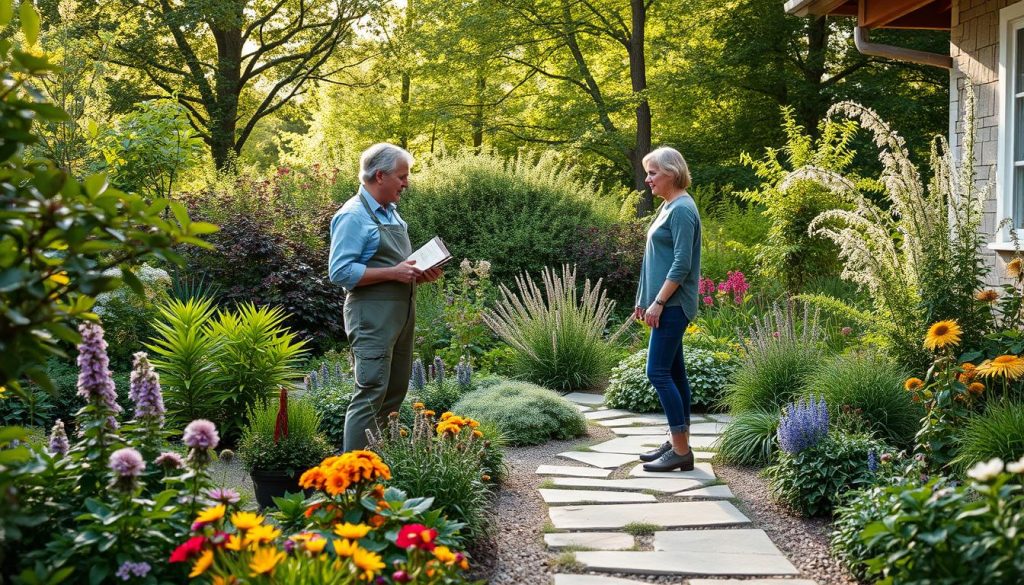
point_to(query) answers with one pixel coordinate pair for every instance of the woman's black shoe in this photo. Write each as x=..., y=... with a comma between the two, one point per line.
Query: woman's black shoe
x=652, y=455
x=670, y=461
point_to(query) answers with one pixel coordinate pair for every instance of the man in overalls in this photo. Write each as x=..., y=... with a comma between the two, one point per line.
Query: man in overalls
x=369, y=245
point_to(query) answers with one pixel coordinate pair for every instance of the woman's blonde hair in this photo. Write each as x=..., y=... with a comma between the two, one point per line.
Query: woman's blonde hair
x=669, y=160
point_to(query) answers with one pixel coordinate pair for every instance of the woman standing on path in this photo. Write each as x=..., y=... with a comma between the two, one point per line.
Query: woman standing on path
x=666, y=300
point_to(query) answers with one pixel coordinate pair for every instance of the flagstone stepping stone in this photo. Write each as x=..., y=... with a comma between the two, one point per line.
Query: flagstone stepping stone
x=713, y=491
x=640, y=430
x=599, y=459
x=722, y=418
x=703, y=455
x=594, y=496
x=634, y=483
x=701, y=471
x=633, y=444
x=607, y=413
x=685, y=563
x=668, y=515
x=574, y=471
x=582, y=408
x=568, y=579
x=585, y=398
x=752, y=582
x=652, y=419
x=707, y=428
x=722, y=552
x=591, y=540
x=703, y=441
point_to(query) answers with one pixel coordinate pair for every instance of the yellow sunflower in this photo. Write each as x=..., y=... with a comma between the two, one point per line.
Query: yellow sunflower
x=316, y=545
x=1010, y=367
x=1015, y=268
x=913, y=384
x=942, y=334
x=262, y=534
x=368, y=562
x=246, y=520
x=345, y=548
x=351, y=531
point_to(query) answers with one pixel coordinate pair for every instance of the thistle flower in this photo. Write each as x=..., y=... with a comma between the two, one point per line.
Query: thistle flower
x=95, y=381
x=438, y=370
x=127, y=462
x=201, y=434
x=145, y=391
x=169, y=461
x=129, y=569
x=419, y=377
x=58, y=439
x=803, y=424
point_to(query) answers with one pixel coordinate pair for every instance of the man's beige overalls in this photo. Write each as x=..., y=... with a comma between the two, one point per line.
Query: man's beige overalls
x=380, y=321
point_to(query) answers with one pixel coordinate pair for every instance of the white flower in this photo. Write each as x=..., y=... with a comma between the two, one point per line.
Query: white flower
x=987, y=470
x=465, y=266
x=1016, y=466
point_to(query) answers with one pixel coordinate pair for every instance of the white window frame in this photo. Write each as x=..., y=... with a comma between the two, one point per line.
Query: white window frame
x=1011, y=20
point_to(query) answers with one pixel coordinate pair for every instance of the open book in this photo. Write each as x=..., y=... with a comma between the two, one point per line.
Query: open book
x=431, y=255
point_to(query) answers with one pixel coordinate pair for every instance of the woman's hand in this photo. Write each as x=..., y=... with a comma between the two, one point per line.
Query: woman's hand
x=638, y=313
x=653, y=315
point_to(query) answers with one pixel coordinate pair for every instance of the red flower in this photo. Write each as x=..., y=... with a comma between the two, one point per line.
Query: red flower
x=416, y=536
x=189, y=549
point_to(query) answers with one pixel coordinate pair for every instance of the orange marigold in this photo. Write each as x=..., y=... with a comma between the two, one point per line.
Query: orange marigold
x=913, y=384
x=987, y=295
x=976, y=388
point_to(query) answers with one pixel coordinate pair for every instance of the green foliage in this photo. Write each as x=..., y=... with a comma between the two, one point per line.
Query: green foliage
x=58, y=237
x=331, y=403
x=558, y=337
x=789, y=252
x=707, y=371
x=303, y=447
x=456, y=470
x=522, y=214
x=811, y=481
x=526, y=414
x=128, y=318
x=750, y=439
x=996, y=432
x=871, y=383
x=42, y=407
x=217, y=364
x=440, y=395
x=729, y=238
x=772, y=376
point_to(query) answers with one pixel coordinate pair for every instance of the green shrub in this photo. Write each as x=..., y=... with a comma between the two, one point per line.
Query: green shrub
x=454, y=469
x=525, y=413
x=525, y=212
x=997, y=432
x=707, y=371
x=872, y=383
x=750, y=438
x=812, y=480
x=772, y=376
x=304, y=446
x=557, y=336
x=331, y=403
x=128, y=317
x=439, y=396
x=42, y=407
x=857, y=509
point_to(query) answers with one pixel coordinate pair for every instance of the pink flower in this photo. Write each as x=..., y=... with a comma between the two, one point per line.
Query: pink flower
x=709, y=301
x=127, y=462
x=169, y=460
x=59, y=439
x=201, y=434
x=846, y=330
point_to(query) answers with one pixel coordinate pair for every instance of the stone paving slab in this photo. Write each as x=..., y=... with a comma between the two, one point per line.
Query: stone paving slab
x=607, y=413
x=714, y=491
x=585, y=398
x=625, y=431
x=568, y=579
x=667, y=515
x=723, y=418
x=706, y=428
x=632, y=445
x=572, y=471
x=747, y=541
x=634, y=483
x=702, y=441
x=590, y=540
x=582, y=408
x=685, y=563
x=594, y=496
x=644, y=419
x=599, y=459
x=701, y=471
x=751, y=582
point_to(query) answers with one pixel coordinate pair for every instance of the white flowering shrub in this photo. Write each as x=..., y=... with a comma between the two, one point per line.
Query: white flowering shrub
x=127, y=316
x=707, y=371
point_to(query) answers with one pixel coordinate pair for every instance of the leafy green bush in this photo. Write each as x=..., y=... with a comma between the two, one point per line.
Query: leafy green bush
x=707, y=371
x=997, y=432
x=750, y=438
x=872, y=383
x=855, y=511
x=304, y=446
x=526, y=414
x=331, y=403
x=558, y=337
x=525, y=212
x=128, y=317
x=812, y=480
x=772, y=376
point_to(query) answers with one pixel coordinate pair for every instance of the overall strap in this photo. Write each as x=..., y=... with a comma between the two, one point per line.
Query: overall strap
x=366, y=206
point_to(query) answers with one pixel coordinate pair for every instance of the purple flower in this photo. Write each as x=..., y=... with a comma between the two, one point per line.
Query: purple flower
x=201, y=434
x=169, y=460
x=872, y=461
x=95, y=382
x=145, y=391
x=438, y=370
x=418, y=379
x=803, y=424
x=314, y=382
x=223, y=495
x=325, y=373
x=463, y=373
x=129, y=569
x=127, y=462
x=58, y=439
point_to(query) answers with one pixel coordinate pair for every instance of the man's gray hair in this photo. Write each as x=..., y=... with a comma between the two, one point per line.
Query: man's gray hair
x=381, y=157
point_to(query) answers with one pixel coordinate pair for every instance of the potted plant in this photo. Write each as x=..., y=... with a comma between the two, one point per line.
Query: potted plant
x=279, y=443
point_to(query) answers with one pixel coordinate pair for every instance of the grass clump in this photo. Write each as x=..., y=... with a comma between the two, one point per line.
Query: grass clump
x=997, y=432
x=641, y=528
x=525, y=413
x=749, y=439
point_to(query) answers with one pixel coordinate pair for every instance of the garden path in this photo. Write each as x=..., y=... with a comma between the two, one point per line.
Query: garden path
x=606, y=511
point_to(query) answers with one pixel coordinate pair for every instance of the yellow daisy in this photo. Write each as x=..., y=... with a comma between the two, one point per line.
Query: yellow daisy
x=370, y=563
x=345, y=548
x=316, y=545
x=942, y=334
x=262, y=534
x=202, y=563
x=1010, y=367
x=913, y=384
x=351, y=531
x=234, y=543
x=264, y=560
x=246, y=520
x=211, y=514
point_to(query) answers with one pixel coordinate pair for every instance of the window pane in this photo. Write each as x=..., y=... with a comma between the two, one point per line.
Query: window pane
x=1018, y=197
x=1018, y=129
x=1018, y=70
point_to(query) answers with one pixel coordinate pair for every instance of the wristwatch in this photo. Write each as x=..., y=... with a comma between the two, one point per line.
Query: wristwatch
x=659, y=302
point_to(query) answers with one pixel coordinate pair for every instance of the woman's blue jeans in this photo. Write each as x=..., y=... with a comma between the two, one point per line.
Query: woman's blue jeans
x=666, y=370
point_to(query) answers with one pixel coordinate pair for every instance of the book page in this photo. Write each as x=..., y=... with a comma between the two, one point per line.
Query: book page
x=431, y=254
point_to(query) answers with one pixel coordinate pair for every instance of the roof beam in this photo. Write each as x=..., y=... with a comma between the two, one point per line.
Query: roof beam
x=820, y=7
x=879, y=13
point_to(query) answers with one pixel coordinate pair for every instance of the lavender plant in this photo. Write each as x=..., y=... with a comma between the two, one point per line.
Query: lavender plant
x=419, y=376
x=464, y=373
x=803, y=424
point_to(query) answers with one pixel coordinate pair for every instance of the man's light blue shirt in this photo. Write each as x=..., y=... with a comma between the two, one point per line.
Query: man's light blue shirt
x=355, y=237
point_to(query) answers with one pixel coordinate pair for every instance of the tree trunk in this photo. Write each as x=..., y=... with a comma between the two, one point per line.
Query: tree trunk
x=478, y=112
x=638, y=77
x=403, y=111
x=811, y=109
x=227, y=85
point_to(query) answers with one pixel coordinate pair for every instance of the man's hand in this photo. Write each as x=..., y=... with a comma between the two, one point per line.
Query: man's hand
x=429, y=275
x=405, y=272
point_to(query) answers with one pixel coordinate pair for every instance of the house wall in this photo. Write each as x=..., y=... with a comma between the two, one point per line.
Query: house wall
x=974, y=46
